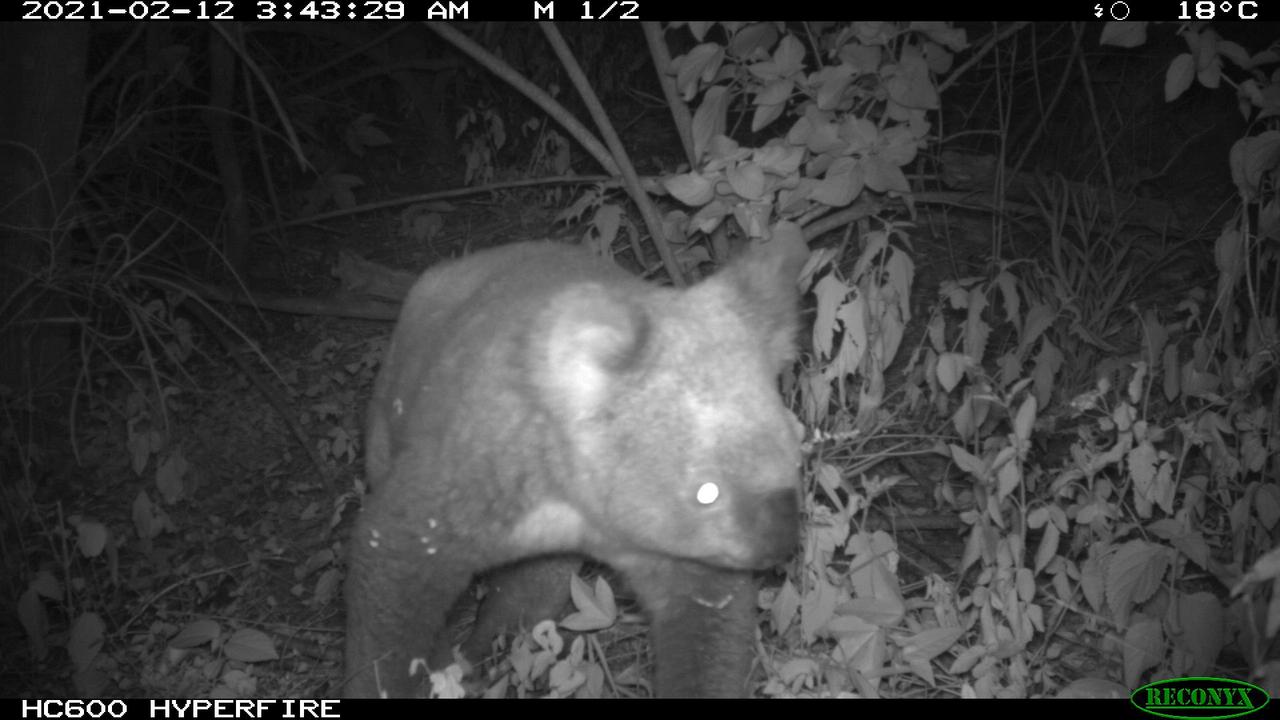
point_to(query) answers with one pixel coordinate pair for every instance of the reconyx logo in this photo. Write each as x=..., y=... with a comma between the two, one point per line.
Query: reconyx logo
x=1199, y=698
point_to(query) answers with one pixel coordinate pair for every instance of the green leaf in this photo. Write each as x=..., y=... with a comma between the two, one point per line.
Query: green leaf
x=195, y=634
x=250, y=645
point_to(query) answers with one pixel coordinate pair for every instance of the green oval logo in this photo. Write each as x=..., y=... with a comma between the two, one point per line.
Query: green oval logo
x=1199, y=698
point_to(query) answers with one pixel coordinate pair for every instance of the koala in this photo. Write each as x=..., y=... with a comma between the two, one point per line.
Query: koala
x=538, y=404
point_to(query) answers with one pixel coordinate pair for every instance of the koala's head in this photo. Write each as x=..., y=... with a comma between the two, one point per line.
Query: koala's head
x=679, y=441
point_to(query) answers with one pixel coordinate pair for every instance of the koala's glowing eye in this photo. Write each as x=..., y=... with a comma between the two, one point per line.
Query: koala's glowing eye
x=708, y=493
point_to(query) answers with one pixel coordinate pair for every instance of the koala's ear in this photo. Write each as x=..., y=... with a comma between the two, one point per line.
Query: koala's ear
x=593, y=335
x=786, y=247
x=766, y=278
